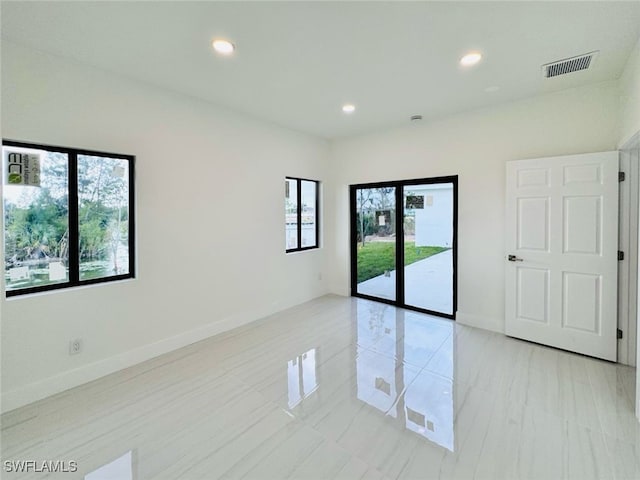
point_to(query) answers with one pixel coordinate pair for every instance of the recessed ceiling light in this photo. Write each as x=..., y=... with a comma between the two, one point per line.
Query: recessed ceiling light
x=470, y=59
x=348, y=108
x=223, y=47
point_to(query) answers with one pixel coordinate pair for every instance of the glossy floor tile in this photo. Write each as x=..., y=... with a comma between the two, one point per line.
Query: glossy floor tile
x=342, y=388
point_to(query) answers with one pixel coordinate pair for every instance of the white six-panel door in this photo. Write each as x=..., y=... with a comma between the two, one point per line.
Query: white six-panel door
x=562, y=237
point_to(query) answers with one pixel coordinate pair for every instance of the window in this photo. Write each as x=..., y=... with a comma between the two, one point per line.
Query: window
x=68, y=217
x=301, y=214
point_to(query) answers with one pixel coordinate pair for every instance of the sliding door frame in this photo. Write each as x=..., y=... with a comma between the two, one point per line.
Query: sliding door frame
x=399, y=209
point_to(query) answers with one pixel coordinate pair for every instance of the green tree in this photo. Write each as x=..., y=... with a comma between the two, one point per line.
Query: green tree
x=36, y=218
x=103, y=212
x=364, y=202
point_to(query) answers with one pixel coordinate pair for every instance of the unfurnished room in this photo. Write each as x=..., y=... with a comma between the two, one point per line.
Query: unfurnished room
x=320, y=240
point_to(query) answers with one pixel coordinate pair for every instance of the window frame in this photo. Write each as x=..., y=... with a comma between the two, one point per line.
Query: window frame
x=73, y=211
x=299, y=181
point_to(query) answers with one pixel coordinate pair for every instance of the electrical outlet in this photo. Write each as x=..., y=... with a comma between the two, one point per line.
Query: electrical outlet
x=75, y=346
x=320, y=276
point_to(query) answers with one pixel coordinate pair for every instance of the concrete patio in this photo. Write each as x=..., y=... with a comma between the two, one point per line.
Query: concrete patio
x=428, y=284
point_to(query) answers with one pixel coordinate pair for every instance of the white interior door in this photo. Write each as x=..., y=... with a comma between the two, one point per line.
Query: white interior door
x=562, y=240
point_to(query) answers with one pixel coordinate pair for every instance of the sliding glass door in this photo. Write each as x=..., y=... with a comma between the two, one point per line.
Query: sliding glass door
x=406, y=256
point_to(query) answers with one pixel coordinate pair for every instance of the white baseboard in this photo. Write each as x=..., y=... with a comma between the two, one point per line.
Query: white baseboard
x=339, y=289
x=493, y=324
x=72, y=378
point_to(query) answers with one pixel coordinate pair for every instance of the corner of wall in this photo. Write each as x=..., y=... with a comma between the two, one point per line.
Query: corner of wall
x=477, y=321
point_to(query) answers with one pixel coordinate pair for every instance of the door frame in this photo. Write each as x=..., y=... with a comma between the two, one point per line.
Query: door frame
x=399, y=191
x=628, y=243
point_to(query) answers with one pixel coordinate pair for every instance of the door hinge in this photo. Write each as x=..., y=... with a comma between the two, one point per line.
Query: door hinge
x=619, y=334
x=620, y=255
x=621, y=176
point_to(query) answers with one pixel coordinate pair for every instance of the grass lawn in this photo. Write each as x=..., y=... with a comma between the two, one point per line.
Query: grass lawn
x=377, y=257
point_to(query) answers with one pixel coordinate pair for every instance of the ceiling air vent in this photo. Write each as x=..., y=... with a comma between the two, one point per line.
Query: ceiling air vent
x=568, y=65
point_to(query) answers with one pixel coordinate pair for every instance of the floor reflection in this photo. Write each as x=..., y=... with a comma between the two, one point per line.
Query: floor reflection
x=404, y=368
x=302, y=377
x=377, y=379
x=342, y=388
x=429, y=408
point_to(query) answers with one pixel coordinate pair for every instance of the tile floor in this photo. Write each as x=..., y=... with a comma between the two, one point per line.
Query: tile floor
x=342, y=388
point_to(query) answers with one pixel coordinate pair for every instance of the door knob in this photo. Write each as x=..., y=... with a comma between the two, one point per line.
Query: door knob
x=513, y=258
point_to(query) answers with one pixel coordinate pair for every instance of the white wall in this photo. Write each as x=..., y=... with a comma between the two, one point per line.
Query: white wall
x=629, y=133
x=630, y=97
x=210, y=242
x=474, y=146
x=630, y=129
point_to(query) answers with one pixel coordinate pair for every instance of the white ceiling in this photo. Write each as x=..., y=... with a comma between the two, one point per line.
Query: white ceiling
x=297, y=62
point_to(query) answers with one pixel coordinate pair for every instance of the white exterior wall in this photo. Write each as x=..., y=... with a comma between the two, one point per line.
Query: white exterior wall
x=434, y=226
